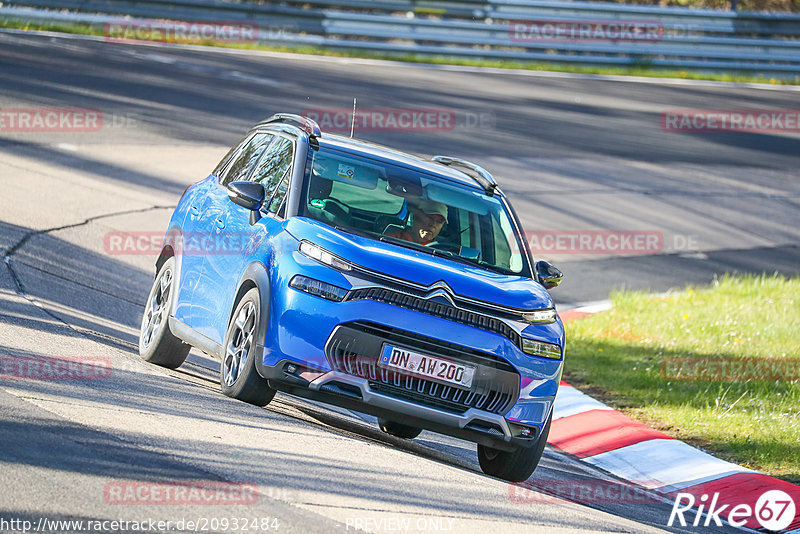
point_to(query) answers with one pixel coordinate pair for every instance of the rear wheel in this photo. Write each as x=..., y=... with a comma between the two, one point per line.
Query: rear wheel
x=514, y=466
x=157, y=344
x=398, y=429
x=238, y=375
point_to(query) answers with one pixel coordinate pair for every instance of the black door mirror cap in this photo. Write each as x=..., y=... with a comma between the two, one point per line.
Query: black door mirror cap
x=248, y=195
x=549, y=275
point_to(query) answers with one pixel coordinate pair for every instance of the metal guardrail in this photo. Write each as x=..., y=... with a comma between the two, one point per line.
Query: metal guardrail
x=688, y=39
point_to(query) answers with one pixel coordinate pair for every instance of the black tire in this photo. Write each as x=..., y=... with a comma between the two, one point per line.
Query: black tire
x=398, y=429
x=514, y=466
x=157, y=343
x=238, y=376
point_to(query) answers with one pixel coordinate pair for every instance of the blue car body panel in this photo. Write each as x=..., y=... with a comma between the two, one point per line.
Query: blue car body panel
x=300, y=324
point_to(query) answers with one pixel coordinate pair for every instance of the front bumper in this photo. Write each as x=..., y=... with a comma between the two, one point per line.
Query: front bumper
x=302, y=325
x=354, y=393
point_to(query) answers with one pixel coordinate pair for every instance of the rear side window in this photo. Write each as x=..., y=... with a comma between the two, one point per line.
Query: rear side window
x=246, y=158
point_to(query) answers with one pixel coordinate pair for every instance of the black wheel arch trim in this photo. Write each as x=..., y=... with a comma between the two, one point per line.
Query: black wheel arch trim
x=168, y=251
x=256, y=276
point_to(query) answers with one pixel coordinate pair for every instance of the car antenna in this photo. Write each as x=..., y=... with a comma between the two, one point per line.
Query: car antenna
x=353, y=122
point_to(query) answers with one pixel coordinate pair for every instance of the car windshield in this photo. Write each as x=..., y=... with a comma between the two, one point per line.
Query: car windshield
x=411, y=208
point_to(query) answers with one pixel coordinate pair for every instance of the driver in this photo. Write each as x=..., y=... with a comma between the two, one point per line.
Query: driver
x=427, y=219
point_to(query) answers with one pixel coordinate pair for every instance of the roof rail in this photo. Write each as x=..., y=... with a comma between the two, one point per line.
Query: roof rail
x=479, y=174
x=309, y=126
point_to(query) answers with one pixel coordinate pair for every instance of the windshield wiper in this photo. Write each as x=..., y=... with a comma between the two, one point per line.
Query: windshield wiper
x=407, y=244
x=498, y=269
x=390, y=239
x=444, y=254
x=357, y=231
x=474, y=263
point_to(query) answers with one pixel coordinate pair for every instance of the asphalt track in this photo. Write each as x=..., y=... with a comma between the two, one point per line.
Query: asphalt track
x=574, y=153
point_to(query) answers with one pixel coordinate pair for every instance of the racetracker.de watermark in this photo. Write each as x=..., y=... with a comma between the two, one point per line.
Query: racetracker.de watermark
x=181, y=31
x=41, y=120
x=184, y=524
x=730, y=370
x=44, y=368
x=581, y=491
x=125, y=492
x=566, y=30
x=730, y=120
x=119, y=243
x=398, y=119
x=595, y=241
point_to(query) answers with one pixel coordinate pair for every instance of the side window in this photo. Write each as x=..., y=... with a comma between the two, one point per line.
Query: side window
x=280, y=193
x=247, y=158
x=469, y=228
x=510, y=244
x=220, y=169
x=273, y=171
x=502, y=251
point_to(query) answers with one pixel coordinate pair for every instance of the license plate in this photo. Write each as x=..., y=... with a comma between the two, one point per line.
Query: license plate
x=426, y=366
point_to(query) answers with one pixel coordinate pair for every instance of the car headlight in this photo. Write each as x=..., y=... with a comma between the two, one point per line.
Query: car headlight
x=318, y=288
x=323, y=256
x=540, y=348
x=547, y=315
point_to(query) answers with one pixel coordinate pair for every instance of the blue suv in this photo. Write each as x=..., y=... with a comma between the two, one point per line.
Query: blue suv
x=350, y=273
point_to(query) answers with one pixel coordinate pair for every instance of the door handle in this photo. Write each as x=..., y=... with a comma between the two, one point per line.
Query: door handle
x=194, y=211
x=220, y=224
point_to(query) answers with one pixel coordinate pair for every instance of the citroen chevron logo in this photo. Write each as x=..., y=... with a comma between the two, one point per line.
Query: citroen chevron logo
x=441, y=291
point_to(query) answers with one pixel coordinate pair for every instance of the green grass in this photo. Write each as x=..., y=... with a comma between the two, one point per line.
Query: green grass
x=618, y=356
x=641, y=70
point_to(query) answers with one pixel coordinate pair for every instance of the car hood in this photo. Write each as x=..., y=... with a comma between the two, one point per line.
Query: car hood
x=421, y=268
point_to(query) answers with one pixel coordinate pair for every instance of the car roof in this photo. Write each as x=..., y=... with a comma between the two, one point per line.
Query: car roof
x=377, y=151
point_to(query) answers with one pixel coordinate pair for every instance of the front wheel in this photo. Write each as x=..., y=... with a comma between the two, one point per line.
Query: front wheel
x=238, y=375
x=514, y=466
x=157, y=344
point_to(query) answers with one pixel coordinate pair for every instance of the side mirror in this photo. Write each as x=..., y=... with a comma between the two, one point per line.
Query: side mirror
x=548, y=275
x=248, y=195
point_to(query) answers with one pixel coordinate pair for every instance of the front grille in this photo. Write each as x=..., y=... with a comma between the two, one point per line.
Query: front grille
x=354, y=349
x=436, y=309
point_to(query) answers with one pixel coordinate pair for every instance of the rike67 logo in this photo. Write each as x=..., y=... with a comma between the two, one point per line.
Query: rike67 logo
x=774, y=510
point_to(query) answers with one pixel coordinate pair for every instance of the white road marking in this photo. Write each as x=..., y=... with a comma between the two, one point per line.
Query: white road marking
x=570, y=401
x=664, y=464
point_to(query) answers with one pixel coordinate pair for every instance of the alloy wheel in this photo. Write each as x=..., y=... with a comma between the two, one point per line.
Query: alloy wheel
x=240, y=344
